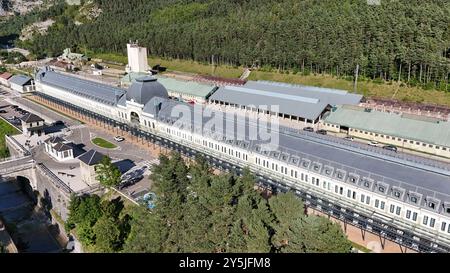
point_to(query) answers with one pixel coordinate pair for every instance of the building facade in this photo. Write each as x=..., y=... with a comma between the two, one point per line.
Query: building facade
x=410, y=196
x=32, y=125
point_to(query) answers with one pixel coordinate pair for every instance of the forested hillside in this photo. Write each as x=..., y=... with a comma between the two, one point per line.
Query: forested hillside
x=407, y=39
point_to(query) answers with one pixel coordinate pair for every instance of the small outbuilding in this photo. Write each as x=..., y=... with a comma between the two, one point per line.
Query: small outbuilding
x=21, y=83
x=32, y=125
x=59, y=148
x=88, y=163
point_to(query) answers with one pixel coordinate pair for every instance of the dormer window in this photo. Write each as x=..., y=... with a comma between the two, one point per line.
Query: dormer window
x=328, y=172
x=397, y=194
x=352, y=179
x=367, y=184
x=381, y=189
x=431, y=205
x=447, y=210
x=413, y=199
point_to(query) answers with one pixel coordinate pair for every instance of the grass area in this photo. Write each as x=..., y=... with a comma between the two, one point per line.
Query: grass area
x=5, y=129
x=103, y=143
x=367, y=88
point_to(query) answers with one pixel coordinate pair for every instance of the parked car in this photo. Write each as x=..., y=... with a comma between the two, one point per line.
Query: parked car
x=14, y=106
x=349, y=138
x=18, y=109
x=58, y=123
x=3, y=112
x=24, y=112
x=119, y=138
x=322, y=132
x=308, y=129
x=373, y=143
x=390, y=148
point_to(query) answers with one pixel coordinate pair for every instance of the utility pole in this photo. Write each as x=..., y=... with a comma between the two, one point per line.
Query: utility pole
x=356, y=79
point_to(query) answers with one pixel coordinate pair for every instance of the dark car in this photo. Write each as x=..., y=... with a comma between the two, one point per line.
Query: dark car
x=322, y=132
x=14, y=106
x=58, y=123
x=3, y=112
x=18, y=109
x=308, y=129
x=390, y=148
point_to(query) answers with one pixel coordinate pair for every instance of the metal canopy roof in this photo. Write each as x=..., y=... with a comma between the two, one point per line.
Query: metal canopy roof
x=296, y=100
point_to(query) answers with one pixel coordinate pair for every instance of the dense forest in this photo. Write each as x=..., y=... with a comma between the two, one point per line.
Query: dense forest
x=203, y=212
x=405, y=40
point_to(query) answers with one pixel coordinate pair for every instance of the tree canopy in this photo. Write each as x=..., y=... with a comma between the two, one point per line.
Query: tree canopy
x=223, y=213
x=408, y=40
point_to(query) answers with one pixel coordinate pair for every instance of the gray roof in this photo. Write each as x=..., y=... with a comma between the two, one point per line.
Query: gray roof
x=54, y=139
x=91, y=157
x=93, y=90
x=301, y=101
x=144, y=89
x=339, y=161
x=61, y=147
x=20, y=80
x=30, y=117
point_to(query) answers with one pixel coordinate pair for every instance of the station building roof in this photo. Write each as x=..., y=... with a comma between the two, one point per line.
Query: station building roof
x=374, y=171
x=186, y=87
x=406, y=126
x=295, y=100
x=101, y=93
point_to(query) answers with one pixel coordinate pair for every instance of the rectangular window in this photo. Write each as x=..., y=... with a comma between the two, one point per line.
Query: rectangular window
x=303, y=178
x=408, y=214
x=368, y=200
x=324, y=184
x=425, y=220
x=443, y=226
x=354, y=195
x=399, y=209
x=432, y=222
x=414, y=216
x=362, y=198
x=377, y=203
x=336, y=189
x=392, y=208
x=296, y=174
x=341, y=190
x=349, y=193
x=382, y=205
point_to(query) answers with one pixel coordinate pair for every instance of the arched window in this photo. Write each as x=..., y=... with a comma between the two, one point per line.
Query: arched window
x=134, y=117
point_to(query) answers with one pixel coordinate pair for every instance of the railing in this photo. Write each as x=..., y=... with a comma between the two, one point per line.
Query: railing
x=57, y=181
x=19, y=147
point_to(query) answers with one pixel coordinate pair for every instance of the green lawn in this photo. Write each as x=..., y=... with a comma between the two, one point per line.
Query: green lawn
x=5, y=129
x=103, y=143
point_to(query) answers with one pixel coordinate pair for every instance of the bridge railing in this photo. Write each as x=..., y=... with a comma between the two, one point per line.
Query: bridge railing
x=56, y=180
x=19, y=147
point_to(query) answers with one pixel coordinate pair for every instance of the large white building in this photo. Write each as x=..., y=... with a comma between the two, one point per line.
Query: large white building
x=390, y=196
x=137, y=58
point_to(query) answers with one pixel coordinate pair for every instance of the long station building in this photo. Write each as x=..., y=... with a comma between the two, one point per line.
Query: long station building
x=409, y=197
x=414, y=132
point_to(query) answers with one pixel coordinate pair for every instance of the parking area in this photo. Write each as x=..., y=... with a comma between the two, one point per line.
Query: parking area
x=12, y=113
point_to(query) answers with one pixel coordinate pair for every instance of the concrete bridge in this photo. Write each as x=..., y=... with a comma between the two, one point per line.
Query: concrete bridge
x=22, y=167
